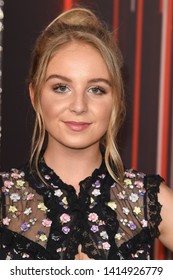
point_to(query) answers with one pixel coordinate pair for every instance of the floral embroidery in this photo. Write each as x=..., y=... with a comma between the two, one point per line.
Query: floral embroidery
x=25, y=226
x=8, y=184
x=134, y=197
x=30, y=196
x=119, y=235
x=137, y=210
x=130, y=174
x=106, y=245
x=124, y=221
x=96, y=184
x=12, y=209
x=131, y=225
x=58, y=193
x=93, y=217
x=144, y=223
x=20, y=183
x=15, y=175
x=104, y=234
x=112, y=205
x=126, y=210
x=122, y=195
x=128, y=183
x=6, y=221
x=28, y=211
x=32, y=221
x=125, y=206
x=96, y=192
x=41, y=236
x=42, y=207
x=139, y=184
x=65, y=218
x=64, y=202
x=46, y=222
x=94, y=228
x=66, y=229
x=15, y=197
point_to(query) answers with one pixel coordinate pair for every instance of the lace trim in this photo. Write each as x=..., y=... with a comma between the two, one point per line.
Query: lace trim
x=152, y=205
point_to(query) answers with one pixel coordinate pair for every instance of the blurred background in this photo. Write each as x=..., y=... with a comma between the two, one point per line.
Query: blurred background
x=143, y=30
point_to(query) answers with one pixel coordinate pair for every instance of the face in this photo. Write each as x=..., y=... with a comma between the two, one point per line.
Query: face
x=76, y=98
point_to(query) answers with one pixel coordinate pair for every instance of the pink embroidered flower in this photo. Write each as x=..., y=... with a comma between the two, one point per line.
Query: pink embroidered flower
x=30, y=196
x=144, y=223
x=6, y=221
x=65, y=218
x=8, y=184
x=46, y=222
x=93, y=217
x=15, y=175
x=122, y=195
x=130, y=174
x=139, y=184
x=106, y=245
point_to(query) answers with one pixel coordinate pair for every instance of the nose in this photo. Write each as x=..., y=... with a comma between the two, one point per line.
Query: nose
x=78, y=103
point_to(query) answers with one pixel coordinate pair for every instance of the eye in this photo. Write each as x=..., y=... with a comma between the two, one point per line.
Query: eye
x=61, y=88
x=97, y=90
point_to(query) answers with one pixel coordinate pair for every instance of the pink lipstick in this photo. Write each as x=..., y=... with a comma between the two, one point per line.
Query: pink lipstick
x=77, y=126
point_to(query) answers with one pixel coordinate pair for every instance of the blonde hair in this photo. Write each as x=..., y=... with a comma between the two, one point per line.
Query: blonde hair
x=79, y=24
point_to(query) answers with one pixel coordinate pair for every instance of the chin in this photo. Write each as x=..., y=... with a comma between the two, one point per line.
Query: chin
x=80, y=146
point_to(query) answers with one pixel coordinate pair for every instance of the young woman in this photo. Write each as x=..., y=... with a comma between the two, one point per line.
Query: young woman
x=74, y=200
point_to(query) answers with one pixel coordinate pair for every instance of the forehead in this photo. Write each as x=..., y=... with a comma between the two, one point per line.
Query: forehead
x=78, y=56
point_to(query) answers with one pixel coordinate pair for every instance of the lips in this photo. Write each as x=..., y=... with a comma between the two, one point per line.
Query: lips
x=77, y=126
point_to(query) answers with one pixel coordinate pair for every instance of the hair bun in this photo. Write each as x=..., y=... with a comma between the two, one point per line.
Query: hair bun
x=77, y=17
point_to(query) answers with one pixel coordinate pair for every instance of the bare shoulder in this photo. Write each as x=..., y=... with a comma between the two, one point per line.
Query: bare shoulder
x=165, y=198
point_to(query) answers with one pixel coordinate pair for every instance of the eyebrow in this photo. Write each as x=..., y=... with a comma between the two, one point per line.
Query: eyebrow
x=96, y=80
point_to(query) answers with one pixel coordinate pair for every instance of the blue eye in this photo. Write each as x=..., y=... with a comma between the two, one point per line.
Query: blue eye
x=61, y=88
x=97, y=90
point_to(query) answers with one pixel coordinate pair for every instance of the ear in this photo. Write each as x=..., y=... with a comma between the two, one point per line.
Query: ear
x=31, y=93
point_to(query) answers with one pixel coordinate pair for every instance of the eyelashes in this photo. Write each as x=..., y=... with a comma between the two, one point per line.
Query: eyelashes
x=97, y=90
x=63, y=88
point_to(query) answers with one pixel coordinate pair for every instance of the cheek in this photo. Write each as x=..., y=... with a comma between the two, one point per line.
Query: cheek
x=105, y=113
x=50, y=108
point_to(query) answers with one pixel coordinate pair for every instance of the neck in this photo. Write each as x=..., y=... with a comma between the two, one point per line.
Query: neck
x=73, y=165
